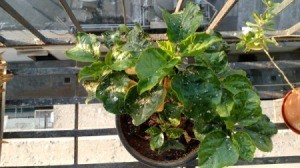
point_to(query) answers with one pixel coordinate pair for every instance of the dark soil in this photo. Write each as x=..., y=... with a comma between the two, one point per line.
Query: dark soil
x=137, y=139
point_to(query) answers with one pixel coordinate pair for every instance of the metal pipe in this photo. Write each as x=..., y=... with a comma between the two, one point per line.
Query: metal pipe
x=124, y=11
x=2, y=112
x=71, y=15
x=75, y=135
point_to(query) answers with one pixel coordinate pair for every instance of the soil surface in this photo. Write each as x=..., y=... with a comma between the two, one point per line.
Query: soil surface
x=137, y=139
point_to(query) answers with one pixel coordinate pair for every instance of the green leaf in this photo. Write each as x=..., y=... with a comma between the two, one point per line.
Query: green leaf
x=87, y=48
x=114, y=37
x=226, y=105
x=164, y=127
x=174, y=133
x=112, y=91
x=175, y=116
x=171, y=144
x=119, y=60
x=251, y=24
x=141, y=107
x=240, y=46
x=203, y=127
x=246, y=146
x=152, y=66
x=157, y=141
x=91, y=88
x=197, y=43
x=168, y=47
x=217, y=151
x=256, y=17
x=229, y=72
x=264, y=126
x=262, y=142
x=246, y=110
x=171, y=114
x=261, y=133
x=216, y=61
x=236, y=83
x=181, y=25
x=199, y=97
x=81, y=55
x=153, y=131
x=137, y=40
x=94, y=71
x=265, y=2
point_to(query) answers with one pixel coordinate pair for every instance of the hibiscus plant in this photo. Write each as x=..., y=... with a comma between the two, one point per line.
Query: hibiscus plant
x=142, y=77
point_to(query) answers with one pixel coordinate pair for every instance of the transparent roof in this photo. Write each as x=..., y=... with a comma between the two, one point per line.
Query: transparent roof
x=51, y=19
x=8, y=22
x=43, y=15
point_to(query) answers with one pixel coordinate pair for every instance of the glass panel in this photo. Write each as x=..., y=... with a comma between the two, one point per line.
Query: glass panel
x=8, y=22
x=14, y=32
x=43, y=15
x=105, y=12
x=242, y=12
x=102, y=14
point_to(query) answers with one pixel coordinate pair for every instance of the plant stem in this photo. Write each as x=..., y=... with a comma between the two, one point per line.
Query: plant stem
x=277, y=67
x=124, y=11
x=178, y=5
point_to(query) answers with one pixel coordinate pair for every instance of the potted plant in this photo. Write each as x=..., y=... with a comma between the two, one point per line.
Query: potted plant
x=257, y=39
x=173, y=105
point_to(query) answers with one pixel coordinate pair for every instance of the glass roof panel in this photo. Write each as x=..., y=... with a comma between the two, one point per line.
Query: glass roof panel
x=8, y=23
x=236, y=19
x=43, y=15
x=105, y=12
x=13, y=32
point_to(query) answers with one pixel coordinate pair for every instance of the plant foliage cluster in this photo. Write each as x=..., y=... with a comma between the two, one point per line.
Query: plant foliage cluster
x=141, y=78
x=256, y=38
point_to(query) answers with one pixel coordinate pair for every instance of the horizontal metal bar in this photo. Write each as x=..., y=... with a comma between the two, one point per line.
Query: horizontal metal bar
x=263, y=160
x=264, y=94
x=60, y=133
x=105, y=27
x=45, y=71
x=46, y=64
x=265, y=64
x=79, y=133
x=47, y=101
x=281, y=126
x=256, y=161
x=287, y=64
x=65, y=39
x=272, y=160
x=2, y=40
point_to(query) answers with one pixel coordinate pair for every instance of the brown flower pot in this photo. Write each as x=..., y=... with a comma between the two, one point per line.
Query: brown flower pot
x=291, y=110
x=131, y=138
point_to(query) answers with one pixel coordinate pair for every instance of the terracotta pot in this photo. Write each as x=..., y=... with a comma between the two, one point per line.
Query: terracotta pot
x=140, y=150
x=291, y=110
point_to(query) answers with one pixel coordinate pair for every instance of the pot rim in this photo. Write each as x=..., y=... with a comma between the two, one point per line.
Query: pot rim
x=283, y=113
x=150, y=162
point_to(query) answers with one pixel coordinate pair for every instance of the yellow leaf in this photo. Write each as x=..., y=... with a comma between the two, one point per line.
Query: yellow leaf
x=130, y=84
x=130, y=71
x=167, y=83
